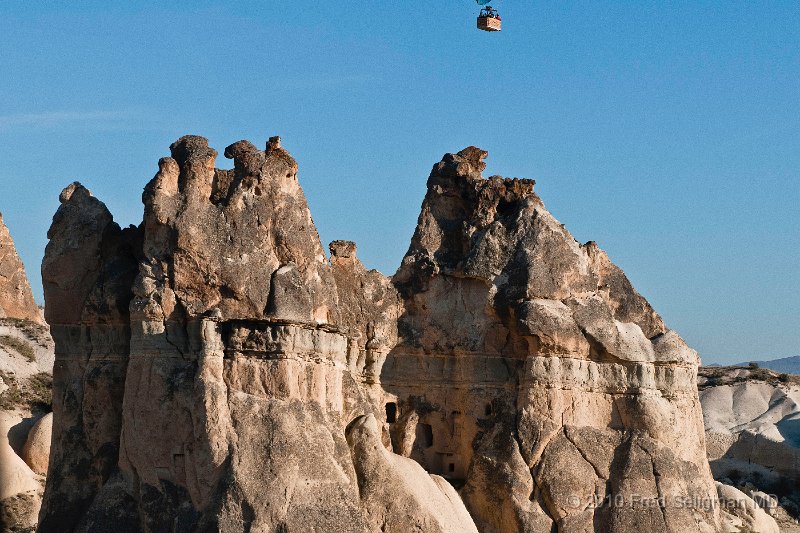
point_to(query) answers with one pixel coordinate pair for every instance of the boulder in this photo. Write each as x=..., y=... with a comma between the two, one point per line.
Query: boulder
x=36, y=452
x=739, y=510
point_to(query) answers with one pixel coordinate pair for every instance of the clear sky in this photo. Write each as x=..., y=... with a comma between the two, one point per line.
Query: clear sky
x=669, y=132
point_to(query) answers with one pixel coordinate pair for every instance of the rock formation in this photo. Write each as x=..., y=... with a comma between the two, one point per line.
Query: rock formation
x=545, y=380
x=752, y=424
x=20, y=490
x=36, y=452
x=743, y=513
x=16, y=298
x=26, y=360
x=216, y=372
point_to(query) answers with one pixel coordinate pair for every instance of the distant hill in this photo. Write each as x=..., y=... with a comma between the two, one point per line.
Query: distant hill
x=786, y=365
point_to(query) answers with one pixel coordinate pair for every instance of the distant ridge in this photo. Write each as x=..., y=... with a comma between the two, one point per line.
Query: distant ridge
x=787, y=365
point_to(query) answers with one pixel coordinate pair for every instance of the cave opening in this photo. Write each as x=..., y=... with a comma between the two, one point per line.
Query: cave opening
x=391, y=412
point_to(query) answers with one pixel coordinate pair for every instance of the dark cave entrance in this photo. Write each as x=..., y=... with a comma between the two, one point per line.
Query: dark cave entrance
x=391, y=412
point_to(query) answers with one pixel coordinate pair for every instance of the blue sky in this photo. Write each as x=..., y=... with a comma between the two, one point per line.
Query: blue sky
x=669, y=132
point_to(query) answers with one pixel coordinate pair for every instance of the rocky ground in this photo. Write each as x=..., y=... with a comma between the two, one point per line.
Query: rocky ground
x=26, y=366
x=752, y=423
x=26, y=363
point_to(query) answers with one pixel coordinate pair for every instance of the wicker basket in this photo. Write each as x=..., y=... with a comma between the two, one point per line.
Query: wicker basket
x=489, y=24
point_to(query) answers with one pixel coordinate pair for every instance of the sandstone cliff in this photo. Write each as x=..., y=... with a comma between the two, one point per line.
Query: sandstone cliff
x=215, y=371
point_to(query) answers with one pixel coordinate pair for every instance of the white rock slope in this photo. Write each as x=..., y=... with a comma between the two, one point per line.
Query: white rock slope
x=752, y=423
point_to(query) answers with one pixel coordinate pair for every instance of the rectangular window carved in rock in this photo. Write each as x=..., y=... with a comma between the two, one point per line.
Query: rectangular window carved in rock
x=425, y=435
x=391, y=412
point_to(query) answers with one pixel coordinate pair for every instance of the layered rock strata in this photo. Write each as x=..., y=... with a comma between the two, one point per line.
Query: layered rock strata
x=210, y=335
x=249, y=383
x=530, y=369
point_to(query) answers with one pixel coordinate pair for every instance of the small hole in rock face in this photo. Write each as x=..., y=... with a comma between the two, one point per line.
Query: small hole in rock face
x=391, y=412
x=505, y=208
x=451, y=467
x=488, y=411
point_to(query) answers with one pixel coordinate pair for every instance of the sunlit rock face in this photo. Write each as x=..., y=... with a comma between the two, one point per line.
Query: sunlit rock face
x=26, y=361
x=216, y=371
x=529, y=369
x=752, y=424
x=16, y=298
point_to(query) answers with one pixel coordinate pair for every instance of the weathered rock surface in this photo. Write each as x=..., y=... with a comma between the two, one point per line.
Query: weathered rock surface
x=211, y=336
x=24, y=401
x=36, y=452
x=397, y=494
x=216, y=372
x=742, y=513
x=87, y=273
x=17, y=477
x=26, y=363
x=752, y=423
x=537, y=374
x=16, y=298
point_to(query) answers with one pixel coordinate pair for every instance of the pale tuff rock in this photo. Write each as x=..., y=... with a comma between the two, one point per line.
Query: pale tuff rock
x=397, y=494
x=742, y=512
x=538, y=355
x=20, y=487
x=16, y=298
x=752, y=418
x=752, y=422
x=26, y=361
x=249, y=384
x=16, y=475
x=26, y=349
x=21, y=473
x=36, y=452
